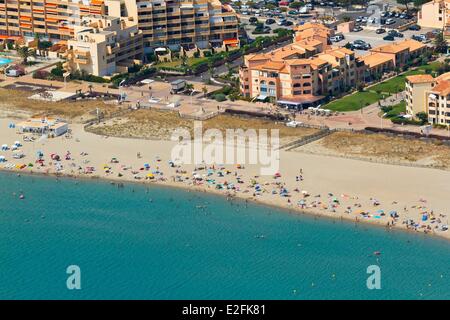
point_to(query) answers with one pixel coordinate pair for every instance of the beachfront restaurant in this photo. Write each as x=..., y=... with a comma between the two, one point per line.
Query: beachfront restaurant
x=300, y=103
x=53, y=128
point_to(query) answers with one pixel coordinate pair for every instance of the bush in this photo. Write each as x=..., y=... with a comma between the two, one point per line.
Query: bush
x=57, y=71
x=220, y=97
x=386, y=109
x=401, y=120
x=151, y=57
x=41, y=74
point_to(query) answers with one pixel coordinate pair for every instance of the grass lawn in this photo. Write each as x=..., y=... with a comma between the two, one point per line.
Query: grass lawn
x=396, y=84
x=354, y=101
x=177, y=63
x=361, y=99
x=397, y=110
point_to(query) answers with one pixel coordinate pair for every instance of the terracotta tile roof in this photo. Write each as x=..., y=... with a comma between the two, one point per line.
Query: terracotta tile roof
x=442, y=88
x=375, y=59
x=420, y=78
x=271, y=65
x=445, y=76
x=396, y=47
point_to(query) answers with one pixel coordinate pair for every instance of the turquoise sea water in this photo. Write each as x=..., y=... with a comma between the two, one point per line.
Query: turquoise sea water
x=185, y=245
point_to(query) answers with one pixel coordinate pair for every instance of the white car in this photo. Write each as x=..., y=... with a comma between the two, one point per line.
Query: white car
x=293, y=124
x=390, y=21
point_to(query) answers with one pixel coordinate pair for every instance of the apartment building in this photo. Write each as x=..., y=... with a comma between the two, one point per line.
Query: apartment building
x=388, y=57
x=296, y=77
x=104, y=45
x=52, y=19
x=431, y=95
x=434, y=14
x=416, y=87
x=202, y=24
x=344, y=68
x=314, y=31
x=438, y=101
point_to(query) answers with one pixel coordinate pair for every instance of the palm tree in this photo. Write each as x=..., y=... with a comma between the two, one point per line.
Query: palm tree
x=229, y=67
x=39, y=46
x=210, y=69
x=25, y=52
x=440, y=44
x=184, y=59
x=189, y=86
x=90, y=86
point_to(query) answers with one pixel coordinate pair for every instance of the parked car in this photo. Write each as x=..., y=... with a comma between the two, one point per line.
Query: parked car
x=14, y=72
x=281, y=21
x=253, y=20
x=380, y=31
x=419, y=37
x=415, y=27
x=270, y=21
x=337, y=38
x=390, y=21
x=357, y=29
x=395, y=34
x=388, y=38
x=360, y=45
x=288, y=23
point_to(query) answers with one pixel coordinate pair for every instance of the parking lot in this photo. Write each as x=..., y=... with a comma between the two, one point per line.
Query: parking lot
x=370, y=37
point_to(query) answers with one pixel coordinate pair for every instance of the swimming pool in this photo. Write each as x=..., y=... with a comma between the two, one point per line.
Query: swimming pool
x=4, y=61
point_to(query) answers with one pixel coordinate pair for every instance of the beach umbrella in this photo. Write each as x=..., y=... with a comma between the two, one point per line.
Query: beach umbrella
x=150, y=176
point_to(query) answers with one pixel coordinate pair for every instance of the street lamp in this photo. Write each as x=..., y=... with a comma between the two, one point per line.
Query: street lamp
x=381, y=119
x=120, y=91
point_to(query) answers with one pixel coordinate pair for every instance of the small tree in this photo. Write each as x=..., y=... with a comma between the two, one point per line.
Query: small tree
x=405, y=3
x=423, y=117
x=189, y=86
x=205, y=91
x=440, y=43
x=25, y=52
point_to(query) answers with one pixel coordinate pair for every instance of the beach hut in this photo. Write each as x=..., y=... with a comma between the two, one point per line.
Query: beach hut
x=2, y=159
x=17, y=144
x=4, y=147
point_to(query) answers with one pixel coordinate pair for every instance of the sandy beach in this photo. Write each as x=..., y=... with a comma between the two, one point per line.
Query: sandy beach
x=398, y=196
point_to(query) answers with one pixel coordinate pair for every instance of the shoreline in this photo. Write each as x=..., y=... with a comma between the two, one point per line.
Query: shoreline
x=293, y=211
x=317, y=185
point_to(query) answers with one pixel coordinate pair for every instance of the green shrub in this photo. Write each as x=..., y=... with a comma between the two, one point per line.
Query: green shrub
x=220, y=97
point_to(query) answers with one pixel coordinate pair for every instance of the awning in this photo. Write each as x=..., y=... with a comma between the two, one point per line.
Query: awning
x=261, y=97
x=230, y=41
x=303, y=99
x=160, y=49
x=292, y=103
x=5, y=37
